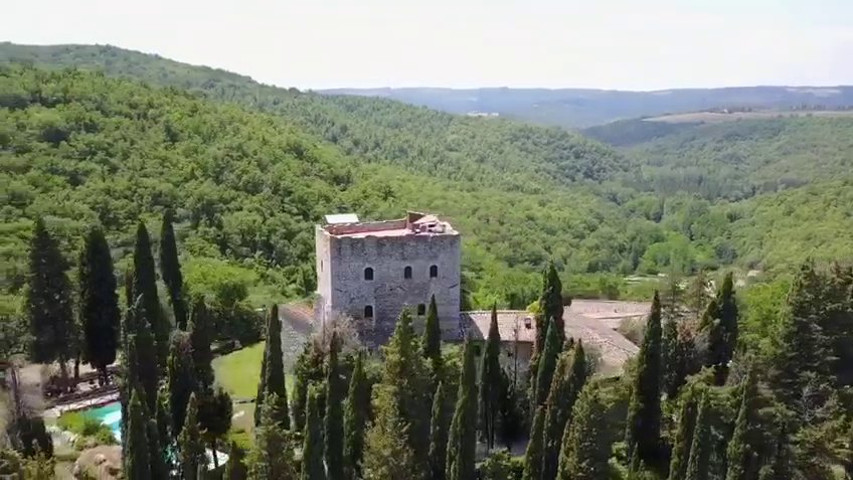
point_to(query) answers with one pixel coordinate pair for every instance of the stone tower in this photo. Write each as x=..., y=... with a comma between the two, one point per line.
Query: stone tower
x=369, y=271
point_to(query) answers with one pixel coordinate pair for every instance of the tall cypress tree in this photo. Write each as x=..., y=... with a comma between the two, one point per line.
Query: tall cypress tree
x=569, y=379
x=387, y=453
x=438, y=433
x=550, y=309
x=200, y=339
x=432, y=337
x=145, y=285
x=720, y=322
x=535, y=448
x=490, y=383
x=190, y=444
x=236, y=469
x=742, y=455
x=271, y=457
x=98, y=309
x=547, y=364
x=215, y=411
x=683, y=438
x=700, y=449
x=182, y=383
x=157, y=453
x=356, y=416
x=312, y=449
x=142, y=361
x=274, y=380
x=673, y=364
x=463, y=428
x=334, y=423
x=779, y=467
x=644, y=411
x=170, y=268
x=586, y=448
x=262, y=387
x=48, y=301
x=307, y=370
x=135, y=455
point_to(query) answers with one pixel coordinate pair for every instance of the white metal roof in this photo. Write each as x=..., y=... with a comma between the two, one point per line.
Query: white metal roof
x=341, y=218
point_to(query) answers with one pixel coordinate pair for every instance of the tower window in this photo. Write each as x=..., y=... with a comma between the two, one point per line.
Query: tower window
x=421, y=309
x=368, y=273
x=433, y=271
x=407, y=272
x=476, y=350
x=368, y=311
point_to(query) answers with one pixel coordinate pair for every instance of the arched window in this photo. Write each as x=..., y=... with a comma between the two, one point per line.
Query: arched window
x=407, y=272
x=368, y=311
x=368, y=273
x=433, y=271
x=421, y=309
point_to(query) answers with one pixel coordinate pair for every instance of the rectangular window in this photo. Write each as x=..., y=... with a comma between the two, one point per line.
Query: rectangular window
x=421, y=309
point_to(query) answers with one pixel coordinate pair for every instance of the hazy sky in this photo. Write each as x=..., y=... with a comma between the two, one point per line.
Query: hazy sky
x=624, y=44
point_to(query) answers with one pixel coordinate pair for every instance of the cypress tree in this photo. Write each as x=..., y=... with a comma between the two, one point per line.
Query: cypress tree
x=312, y=449
x=143, y=360
x=547, y=364
x=215, y=411
x=586, y=448
x=356, y=415
x=259, y=397
x=438, y=433
x=307, y=370
x=170, y=268
x=181, y=379
x=720, y=322
x=200, y=339
x=550, y=309
x=675, y=370
x=535, y=448
x=271, y=455
x=779, y=467
x=569, y=379
x=48, y=301
x=190, y=444
x=644, y=411
x=145, y=285
x=156, y=452
x=700, y=449
x=406, y=374
x=135, y=455
x=683, y=438
x=432, y=337
x=236, y=469
x=387, y=453
x=463, y=428
x=490, y=383
x=742, y=452
x=334, y=423
x=274, y=380
x=98, y=310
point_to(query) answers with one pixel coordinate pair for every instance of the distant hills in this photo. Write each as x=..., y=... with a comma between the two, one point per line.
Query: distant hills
x=578, y=108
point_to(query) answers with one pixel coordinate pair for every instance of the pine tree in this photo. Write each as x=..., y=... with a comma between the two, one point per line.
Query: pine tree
x=274, y=380
x=200, y=339
x=586, y=449
x=145, y=285
x=490, y=383
x=406, y=374
x=535, y=448
x=98, y=309
x=438, y=433
x=136, y=458
x=569, y=379
x=698, y=466
x=181, y=379
x=432, y=337
x=215, y=411
x=547, y=364
x=170, y=268
x=236, y=469
x=334, y=423
x=308, y=369
x=463, y=428
x=356, y=416
x=683, y=438
x=312, y=449
x=271, y=457
x=387, y=453
x=742, y=455
x=48, y=301
x=644, y=411
x=190, y=444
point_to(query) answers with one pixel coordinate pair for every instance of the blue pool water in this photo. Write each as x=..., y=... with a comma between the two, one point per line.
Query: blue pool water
x=109, y=415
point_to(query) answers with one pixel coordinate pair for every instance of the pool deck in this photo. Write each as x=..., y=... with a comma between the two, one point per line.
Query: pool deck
x=98, y=401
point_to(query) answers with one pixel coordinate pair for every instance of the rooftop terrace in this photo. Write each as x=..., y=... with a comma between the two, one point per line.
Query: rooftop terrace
x=414, y=223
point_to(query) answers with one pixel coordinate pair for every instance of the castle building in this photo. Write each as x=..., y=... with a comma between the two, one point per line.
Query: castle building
x=370, y=271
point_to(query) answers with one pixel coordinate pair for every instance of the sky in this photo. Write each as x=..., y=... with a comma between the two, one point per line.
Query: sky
x=611, y=44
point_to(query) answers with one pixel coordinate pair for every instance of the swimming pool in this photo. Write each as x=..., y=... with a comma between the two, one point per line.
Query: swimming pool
x=109, y=415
